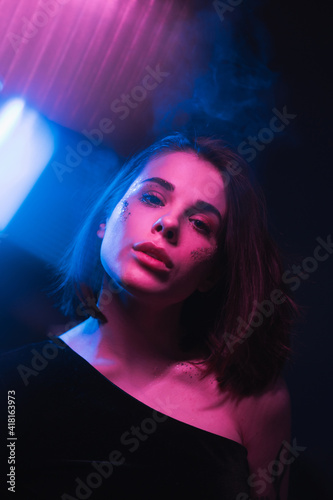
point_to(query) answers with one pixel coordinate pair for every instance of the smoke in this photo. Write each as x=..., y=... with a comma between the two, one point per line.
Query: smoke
x=223, y=84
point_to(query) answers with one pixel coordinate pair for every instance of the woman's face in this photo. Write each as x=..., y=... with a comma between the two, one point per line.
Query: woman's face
x=161, y=239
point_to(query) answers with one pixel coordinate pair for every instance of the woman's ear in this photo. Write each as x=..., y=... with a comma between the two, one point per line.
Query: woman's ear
x=101, y=231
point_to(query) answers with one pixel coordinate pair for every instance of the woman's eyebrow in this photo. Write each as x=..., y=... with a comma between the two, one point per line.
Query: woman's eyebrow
x=162, y=182
x=204, y=206
x=198, y=205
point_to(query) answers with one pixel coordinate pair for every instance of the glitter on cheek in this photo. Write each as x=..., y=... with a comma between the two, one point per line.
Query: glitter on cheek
x=124, y=211
x=202, y=254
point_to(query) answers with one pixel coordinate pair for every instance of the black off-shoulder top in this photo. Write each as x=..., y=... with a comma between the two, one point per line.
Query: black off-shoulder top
x=76, y=435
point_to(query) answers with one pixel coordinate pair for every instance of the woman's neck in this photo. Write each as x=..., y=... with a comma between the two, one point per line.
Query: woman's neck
x=139, y=328
x=140, y=338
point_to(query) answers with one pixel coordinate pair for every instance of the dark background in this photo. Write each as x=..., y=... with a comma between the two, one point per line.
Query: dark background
x=227, y=76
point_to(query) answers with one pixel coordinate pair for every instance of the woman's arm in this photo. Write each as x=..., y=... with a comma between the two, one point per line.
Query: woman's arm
x=265, y=423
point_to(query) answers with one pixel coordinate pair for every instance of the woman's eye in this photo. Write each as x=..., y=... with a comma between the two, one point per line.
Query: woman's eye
x=152, y=200
x=201, y=226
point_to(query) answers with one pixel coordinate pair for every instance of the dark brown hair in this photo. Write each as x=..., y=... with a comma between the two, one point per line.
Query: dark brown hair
x=243, y=324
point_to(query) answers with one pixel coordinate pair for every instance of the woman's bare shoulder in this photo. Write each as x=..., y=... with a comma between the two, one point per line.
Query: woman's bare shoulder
x=264, y=410
x=265, y=421
x=271, y=398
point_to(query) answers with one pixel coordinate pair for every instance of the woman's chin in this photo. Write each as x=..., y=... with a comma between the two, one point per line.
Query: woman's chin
x=147, y=285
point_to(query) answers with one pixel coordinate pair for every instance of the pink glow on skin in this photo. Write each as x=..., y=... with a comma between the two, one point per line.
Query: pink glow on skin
x=201, y=254
x=177, y=204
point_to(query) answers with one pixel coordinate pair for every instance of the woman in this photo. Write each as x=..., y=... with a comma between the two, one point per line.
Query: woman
x=188, y=326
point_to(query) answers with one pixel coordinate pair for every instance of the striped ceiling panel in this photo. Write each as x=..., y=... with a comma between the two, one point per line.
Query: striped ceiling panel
x=71, y=59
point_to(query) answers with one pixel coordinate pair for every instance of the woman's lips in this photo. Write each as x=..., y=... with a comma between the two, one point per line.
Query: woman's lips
x=154, y=256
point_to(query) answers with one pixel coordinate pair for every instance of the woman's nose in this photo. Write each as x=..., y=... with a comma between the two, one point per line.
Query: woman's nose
x=168, y=226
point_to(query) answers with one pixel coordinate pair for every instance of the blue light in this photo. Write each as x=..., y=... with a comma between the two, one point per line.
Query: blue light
x=9, y=116
x=26, y=147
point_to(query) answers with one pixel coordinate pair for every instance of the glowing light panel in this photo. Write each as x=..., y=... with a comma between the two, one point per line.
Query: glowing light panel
x=9, y=116
x=26, y=147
